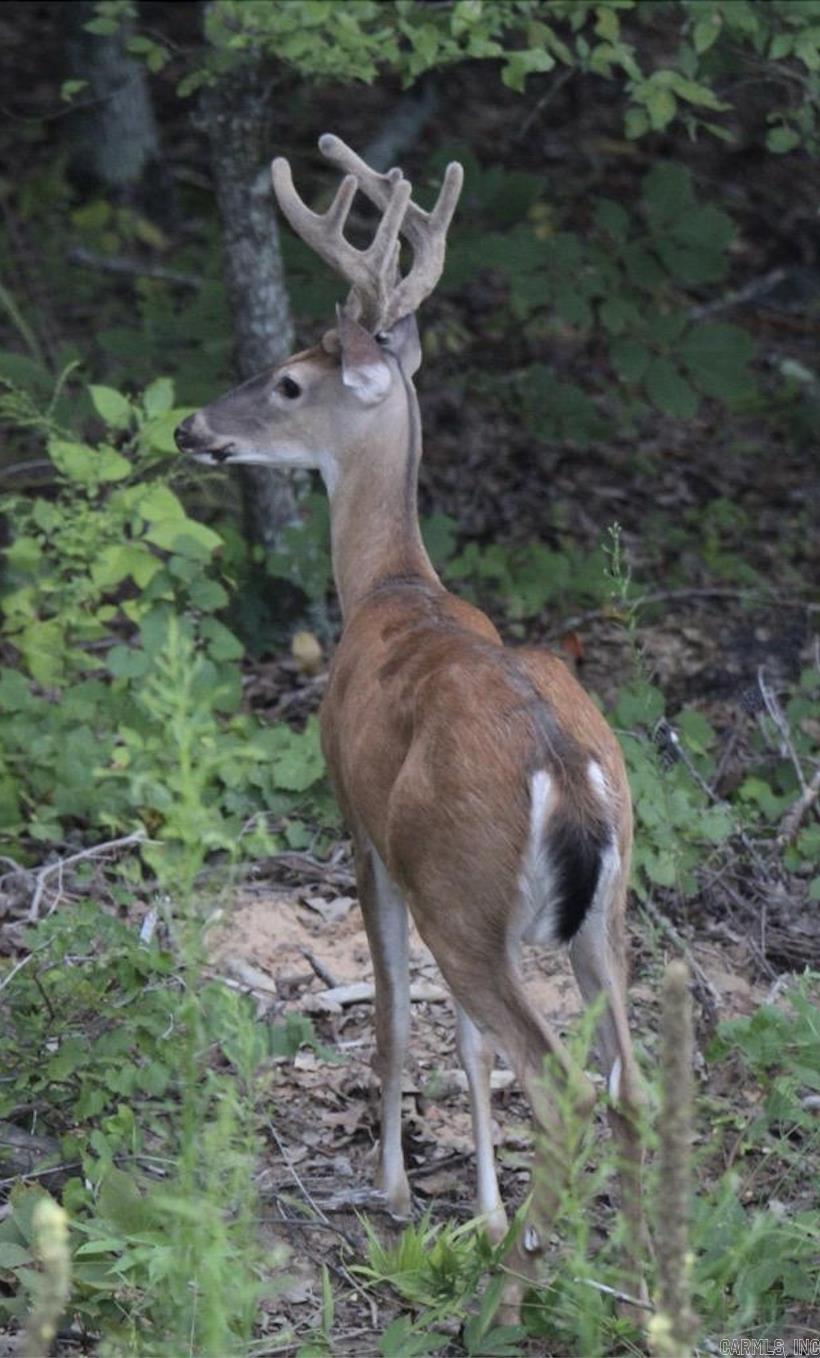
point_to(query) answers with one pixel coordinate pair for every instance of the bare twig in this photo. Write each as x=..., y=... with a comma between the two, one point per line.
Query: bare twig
x=701, y=979
x=750, y=292
x=363, y=992
x=777, y=715
x=324, y=973
x=617, y=1294
x=134, y=268
x=791, y=820
x=96, y=851
x=18, y=966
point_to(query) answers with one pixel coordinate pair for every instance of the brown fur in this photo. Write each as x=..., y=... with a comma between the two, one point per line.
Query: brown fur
x=432, y=731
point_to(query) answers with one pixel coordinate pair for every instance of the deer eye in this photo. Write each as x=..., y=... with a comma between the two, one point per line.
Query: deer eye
x=288, y=388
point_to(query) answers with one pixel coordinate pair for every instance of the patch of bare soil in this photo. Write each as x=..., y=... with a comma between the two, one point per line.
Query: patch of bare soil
x=306, y=953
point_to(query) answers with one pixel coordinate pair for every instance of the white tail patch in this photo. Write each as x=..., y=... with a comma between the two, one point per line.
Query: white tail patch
x=615, y=1080
x=598, y=781
x=536, y=880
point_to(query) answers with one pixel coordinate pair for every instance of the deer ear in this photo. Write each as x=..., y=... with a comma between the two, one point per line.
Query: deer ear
x=364, y=369
x=402, y=339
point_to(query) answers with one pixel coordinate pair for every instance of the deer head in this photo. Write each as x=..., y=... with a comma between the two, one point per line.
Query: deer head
x=312, y=409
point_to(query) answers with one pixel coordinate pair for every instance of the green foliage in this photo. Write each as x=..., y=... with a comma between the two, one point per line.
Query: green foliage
x=438, y=1271
x=125, y=710
x=163, y=1133
x=780, y=1047
x=530, y=576
x=622, y=287
x=755, y=1257
x=528, y=38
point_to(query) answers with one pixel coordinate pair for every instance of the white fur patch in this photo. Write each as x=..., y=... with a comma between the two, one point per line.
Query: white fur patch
x=598, y=781
x=369, y=381
x=537, y=922
x=615, y=1080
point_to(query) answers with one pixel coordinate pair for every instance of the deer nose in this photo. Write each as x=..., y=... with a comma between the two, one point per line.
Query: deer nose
x=184, y=436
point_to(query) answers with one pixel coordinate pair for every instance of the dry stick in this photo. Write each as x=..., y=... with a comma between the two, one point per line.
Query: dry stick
x=672, y=1332
x=776, y=713
x=680, y=942
x=132, y=267
x=300, y=1184
x=791, y=821
x=661, y=596
x=324, y=973
x=96, y=851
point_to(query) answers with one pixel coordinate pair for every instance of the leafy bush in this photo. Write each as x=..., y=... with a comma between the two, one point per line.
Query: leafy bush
x=163, y=1133
x=112, y=602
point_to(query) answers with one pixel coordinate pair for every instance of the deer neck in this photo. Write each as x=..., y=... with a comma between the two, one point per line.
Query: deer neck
x=374, y=524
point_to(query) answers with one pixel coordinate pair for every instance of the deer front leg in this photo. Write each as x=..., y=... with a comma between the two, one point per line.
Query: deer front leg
x=385, y=919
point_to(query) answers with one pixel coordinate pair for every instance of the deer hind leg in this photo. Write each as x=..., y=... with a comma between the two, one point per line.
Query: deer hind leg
x=595, y=955
x=385, y=919
x=477, y=1055
x=487, y=988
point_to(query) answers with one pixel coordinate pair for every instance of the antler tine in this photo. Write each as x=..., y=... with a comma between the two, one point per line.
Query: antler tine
x=371, y=272
x=426, y=232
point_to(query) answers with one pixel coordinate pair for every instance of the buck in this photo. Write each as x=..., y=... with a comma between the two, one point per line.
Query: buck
x=482, y=788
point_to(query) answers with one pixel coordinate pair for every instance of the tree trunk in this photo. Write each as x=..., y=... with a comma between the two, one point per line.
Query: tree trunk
x=235, y=113
x=115, y=142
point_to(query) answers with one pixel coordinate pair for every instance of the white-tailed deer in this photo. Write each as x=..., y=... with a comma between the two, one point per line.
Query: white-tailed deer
x=483, y=789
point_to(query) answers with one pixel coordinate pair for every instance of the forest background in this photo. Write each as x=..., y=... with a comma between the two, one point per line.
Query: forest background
x=620, y=393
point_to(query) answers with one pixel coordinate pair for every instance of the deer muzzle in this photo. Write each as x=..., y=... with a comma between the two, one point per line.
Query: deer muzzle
x=195, y=439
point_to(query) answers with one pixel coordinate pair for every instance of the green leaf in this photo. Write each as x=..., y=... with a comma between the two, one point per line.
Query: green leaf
x=661, y=106
x=716, y=824
x=667, y=191
x=607, y=24
x=88, y=466
x=159, y=503
x=717, y=356
x=705, y=33
x=636, y=123
x=121, y=1204
x=669, y=390
x=639, y=704
x=694, y=93
x=186, y=536
x=117, y=562
x=15, y=695
x=111, y=406
x=696, y=730
x=782, y=139
x=158, y=398
x=222, y=644
x=611, y=217
x=74, y=460
x=206, y=594
x=70, y=88
x=12, y=1256
x=43, y=648
x=296, y=758
x=630, y=359
x=127, y=662
x=521, y=64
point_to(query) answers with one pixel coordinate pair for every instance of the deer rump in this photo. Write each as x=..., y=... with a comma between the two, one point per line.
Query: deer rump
x=481, y=744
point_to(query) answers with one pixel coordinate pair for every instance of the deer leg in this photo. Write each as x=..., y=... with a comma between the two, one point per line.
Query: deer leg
x=487, y=988
x=477, y=1055
x=385, y=919
x=597, y=971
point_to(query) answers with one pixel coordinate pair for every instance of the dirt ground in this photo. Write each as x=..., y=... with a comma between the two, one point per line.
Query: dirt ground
x=300, y=952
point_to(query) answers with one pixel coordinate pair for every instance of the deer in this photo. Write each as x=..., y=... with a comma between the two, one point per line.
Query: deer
x=484, y=792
